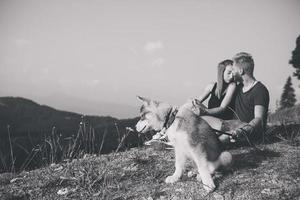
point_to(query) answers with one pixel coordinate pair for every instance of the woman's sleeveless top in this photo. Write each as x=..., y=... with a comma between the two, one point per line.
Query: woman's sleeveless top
x=214, y=102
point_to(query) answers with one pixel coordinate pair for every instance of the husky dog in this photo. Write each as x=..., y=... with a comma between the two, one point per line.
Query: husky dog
x=192, y=138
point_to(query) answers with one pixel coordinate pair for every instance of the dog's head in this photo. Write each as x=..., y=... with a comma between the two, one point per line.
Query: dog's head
x=153, y=115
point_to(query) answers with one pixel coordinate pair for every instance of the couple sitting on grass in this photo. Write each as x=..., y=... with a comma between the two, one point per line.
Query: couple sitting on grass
x=236, y=95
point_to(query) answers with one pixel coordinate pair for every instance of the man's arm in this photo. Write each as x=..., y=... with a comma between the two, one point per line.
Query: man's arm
x=255, y=124
x=259, y=116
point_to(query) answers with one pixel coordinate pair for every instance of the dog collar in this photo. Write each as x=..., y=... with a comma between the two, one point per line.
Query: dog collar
x=170, y=117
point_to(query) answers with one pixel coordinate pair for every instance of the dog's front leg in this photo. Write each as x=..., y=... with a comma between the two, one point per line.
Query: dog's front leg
x=206, y=178
x=204, y=173
x=180, y=159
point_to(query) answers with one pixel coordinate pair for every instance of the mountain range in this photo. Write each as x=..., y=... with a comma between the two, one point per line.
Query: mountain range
x=28, y=124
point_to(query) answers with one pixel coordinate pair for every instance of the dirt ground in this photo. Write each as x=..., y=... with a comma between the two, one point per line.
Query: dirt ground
x=270, y=172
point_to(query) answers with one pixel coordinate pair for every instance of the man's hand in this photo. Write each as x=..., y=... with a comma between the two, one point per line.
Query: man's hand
x=237, y=133
x=243, y=131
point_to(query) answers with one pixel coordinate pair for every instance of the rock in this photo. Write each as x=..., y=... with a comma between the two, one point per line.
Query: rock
x=15, y=179
x=218, y=196
x=58, y=168
x=63, y=191
x=266, y=191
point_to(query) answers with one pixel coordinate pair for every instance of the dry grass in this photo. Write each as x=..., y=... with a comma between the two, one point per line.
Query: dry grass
x=54, y=148
x=272, y=173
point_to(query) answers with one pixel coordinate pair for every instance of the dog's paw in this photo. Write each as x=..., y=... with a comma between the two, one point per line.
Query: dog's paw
x=198, y=177
x=171, y=179
x=209, y=187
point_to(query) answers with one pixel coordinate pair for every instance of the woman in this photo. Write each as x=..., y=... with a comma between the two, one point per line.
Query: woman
x=221, y=99
x=221, y=93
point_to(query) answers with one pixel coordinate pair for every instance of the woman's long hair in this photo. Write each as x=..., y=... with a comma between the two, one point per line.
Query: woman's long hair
x=221, y=85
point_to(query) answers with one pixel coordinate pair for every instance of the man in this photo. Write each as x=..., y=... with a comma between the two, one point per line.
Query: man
x=252, y=98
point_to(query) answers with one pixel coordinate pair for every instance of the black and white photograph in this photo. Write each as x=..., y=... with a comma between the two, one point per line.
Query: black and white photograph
x=150, y=99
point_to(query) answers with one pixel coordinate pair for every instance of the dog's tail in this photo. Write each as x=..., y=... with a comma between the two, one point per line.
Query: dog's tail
x=225, y=159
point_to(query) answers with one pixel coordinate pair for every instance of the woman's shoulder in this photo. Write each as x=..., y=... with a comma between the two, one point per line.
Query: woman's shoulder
x=231, y=88
x=232, y=85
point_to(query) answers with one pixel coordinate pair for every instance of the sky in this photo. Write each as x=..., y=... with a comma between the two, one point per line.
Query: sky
x=60, y=53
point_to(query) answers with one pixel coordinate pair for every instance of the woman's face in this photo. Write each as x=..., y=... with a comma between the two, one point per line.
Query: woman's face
x=228, y=75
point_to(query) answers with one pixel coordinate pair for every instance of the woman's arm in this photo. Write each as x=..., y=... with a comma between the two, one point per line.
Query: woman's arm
x=206, y=93
x=226, y=101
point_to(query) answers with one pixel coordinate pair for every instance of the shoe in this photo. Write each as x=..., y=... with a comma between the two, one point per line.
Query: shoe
x=159, y=136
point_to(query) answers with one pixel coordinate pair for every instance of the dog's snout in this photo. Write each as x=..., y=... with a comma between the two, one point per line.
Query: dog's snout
x=141, y=126
x=135, y=128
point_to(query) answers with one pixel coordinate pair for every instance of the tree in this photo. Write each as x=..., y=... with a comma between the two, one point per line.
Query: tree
x=288, y=98
x=295, y=60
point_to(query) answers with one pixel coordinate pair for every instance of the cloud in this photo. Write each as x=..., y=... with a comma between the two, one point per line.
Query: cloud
x=151, y=47
x=45, y=70
x=90, y=66
x=93, y=83
x=133, y=50
x=158, y=62
x=278, y=87
x=22, y=42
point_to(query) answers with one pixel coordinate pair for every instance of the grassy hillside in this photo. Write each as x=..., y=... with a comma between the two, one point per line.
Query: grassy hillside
x=269, y=173
x=42, y=129
x=285, y=116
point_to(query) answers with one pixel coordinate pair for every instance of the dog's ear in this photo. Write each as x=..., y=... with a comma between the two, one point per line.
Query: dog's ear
x=144, y=100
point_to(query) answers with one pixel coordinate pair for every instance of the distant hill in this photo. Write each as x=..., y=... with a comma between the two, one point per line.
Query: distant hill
x=30, y=123
x=285, y=116
x=25, y=115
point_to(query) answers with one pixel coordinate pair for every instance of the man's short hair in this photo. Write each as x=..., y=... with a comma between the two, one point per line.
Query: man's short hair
x=245, y=61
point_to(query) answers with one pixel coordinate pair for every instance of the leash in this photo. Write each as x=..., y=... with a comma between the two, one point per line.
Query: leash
x=222, y=132
x=244, y=133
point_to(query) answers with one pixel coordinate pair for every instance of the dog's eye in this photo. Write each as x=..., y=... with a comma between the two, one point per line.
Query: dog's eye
x=143, y=116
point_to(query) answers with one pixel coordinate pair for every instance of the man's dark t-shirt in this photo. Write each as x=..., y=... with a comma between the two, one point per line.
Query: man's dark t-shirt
x=245, y=102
